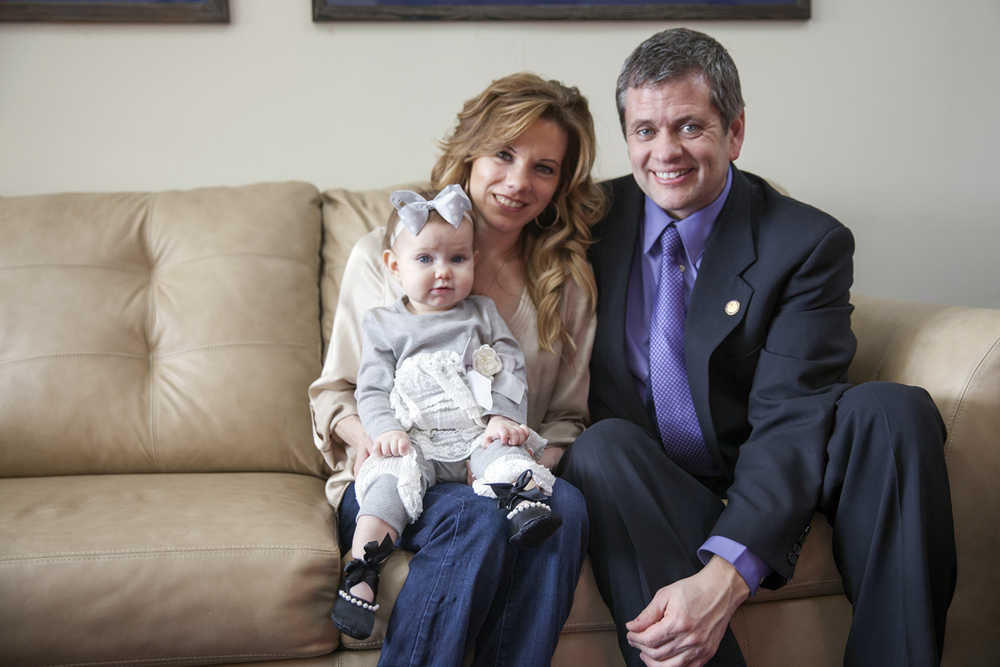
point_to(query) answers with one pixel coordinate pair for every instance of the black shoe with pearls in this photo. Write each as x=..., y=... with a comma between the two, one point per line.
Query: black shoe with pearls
x=352, y=615
x=530, y=520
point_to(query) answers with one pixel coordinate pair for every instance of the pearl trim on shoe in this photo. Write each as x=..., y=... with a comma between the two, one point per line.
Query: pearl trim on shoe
x=358, y=601
x=525, y=504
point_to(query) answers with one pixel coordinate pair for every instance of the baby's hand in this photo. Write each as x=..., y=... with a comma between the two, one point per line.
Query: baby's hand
x=506, y=431
x=391, y=443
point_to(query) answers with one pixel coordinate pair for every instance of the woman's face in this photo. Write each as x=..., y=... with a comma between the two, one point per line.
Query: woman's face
x=513, y=185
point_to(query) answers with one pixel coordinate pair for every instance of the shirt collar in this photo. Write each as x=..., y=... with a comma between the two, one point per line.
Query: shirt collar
x=693, y=230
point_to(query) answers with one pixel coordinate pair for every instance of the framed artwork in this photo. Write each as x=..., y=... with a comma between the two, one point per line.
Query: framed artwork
x=135, y=11
x=604, y=10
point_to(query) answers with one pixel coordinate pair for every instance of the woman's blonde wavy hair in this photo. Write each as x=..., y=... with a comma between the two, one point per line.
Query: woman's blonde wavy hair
x=555, y=245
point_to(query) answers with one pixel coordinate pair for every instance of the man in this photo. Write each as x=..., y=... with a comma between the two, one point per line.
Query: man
x=730, y=302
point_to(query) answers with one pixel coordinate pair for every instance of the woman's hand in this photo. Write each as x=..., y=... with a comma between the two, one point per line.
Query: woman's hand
x=550, y=456
x=350, y=430
x=391, y=443
x=506, y=431
x=359, y=460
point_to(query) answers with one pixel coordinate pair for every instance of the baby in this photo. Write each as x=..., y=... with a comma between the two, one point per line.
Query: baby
x=440, y=390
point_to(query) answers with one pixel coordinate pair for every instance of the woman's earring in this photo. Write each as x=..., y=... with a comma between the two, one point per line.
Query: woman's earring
x=553, y=223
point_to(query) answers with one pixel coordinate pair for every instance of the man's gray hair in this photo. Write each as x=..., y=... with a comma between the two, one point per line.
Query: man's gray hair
x=678, y=52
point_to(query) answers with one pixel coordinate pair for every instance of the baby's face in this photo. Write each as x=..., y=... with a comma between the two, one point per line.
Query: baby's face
x=436, y=268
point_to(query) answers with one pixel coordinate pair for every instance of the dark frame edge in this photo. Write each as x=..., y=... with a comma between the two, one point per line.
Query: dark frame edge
x=801, y=10
x=207, y=11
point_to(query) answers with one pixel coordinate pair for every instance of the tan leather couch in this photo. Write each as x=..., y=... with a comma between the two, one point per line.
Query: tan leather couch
x=161, y=501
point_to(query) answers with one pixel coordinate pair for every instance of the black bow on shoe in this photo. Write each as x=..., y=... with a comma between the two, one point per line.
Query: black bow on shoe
x=366, y=568
x=509, y=495
x=529, y=519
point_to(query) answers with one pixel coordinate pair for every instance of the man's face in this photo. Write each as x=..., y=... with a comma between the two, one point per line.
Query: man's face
x=679, y=150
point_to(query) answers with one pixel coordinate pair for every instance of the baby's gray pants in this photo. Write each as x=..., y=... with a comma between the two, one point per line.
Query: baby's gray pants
x=382, y=497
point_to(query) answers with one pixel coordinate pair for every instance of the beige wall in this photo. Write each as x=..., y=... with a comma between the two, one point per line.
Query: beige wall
x=879, y=111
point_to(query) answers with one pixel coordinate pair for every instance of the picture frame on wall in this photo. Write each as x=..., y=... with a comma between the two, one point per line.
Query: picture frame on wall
x=602, y=10
x=117, y=11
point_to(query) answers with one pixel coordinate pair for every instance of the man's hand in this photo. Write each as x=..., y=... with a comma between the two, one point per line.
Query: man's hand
x=685, y=621
x=391, y=443
x=506, y=431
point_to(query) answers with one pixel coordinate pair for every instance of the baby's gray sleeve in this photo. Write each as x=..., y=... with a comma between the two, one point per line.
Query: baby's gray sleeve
x=375, y=378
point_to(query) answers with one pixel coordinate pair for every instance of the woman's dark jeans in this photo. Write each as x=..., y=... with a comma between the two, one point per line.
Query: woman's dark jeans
x=468, y=587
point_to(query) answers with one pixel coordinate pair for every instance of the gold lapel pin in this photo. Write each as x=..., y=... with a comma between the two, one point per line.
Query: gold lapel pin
x=732, y=307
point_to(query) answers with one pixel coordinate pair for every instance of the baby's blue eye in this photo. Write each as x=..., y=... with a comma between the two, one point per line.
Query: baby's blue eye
x=424, y=259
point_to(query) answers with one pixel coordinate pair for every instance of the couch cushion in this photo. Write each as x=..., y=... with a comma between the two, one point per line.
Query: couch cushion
x=347, y=216
x=165, y=568
x=164, y=332
x=815, y=571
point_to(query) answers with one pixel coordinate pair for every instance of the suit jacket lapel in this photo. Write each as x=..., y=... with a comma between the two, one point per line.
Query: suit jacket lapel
x=728, y=252
x=614, y=266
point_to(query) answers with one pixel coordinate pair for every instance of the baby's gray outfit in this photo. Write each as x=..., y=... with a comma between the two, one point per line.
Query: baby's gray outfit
x=415, y=377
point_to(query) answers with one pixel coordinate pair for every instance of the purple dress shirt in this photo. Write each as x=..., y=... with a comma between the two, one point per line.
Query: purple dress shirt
x=694, y=231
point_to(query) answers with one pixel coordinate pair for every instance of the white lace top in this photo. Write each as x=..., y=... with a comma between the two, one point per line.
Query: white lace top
x=414, y=372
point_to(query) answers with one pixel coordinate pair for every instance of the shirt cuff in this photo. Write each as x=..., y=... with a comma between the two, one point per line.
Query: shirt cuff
x=751, y=568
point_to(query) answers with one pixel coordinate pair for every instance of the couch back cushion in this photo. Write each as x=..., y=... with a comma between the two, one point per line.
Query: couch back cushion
x=159, y=332
x=347, y=216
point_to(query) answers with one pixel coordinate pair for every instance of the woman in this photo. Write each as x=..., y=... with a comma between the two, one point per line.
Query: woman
x=523, y=150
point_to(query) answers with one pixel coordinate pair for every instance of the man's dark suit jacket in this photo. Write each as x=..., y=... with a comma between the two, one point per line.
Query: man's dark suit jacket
x=764, y=380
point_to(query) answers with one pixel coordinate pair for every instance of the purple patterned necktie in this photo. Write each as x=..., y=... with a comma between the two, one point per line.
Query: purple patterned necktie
x=675, y=415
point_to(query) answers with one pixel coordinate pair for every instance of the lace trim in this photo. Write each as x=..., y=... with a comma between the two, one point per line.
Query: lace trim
x=447, y=445
x=410, y=483
x=447, y=370
x=507, y=469
x=433, y=401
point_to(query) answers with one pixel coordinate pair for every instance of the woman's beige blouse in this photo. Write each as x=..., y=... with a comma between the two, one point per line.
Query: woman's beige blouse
x=557, y=381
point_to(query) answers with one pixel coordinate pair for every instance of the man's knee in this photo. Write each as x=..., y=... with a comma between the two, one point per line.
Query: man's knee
x=607, y=455
x=602, y=445
x=568, y=502
x=897, y=414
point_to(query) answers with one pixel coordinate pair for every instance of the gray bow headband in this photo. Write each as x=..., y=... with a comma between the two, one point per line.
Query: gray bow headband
x=451, y=203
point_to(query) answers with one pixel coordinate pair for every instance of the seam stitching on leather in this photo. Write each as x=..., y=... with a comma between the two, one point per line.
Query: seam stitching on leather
x=150, y=357
x=592, y=626
x=150, y=325
x=56, y=355
x=123, y=268
x=212, y=346
x=228, y=255
x=251, y=550
x=804, y=590
x=970, y=381
x=197, y=659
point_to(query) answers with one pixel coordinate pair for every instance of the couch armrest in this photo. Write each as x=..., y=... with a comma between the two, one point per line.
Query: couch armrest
x=954, y=353
x=951, y=351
